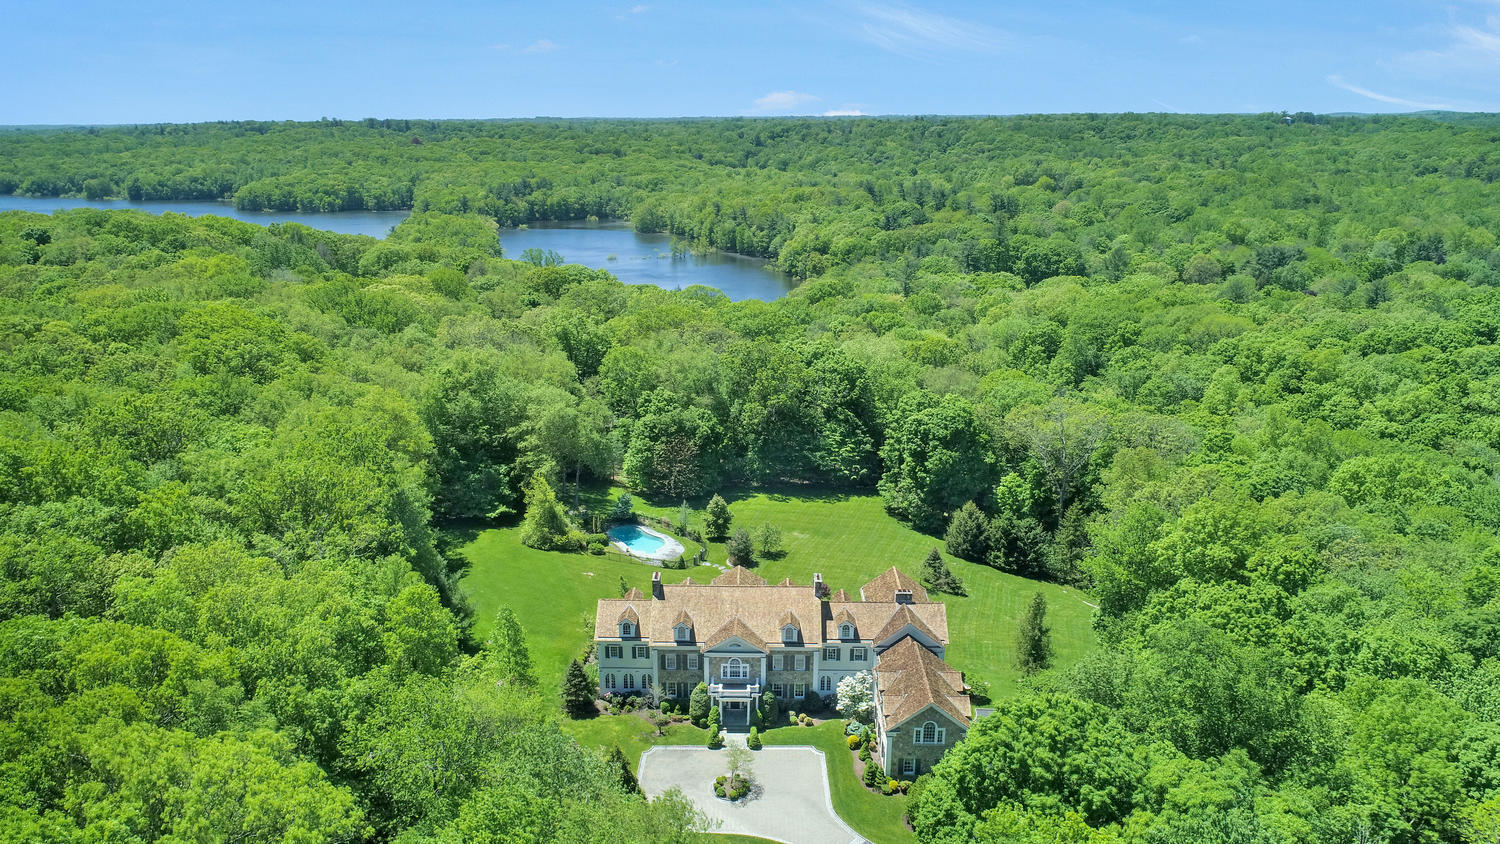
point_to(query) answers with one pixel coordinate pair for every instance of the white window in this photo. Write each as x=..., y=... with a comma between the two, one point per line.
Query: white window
x=627, y=630
x=800, y=690
x=645, y=681
x=903, y=596
x=825, y=684
x=929, y=733
x=908, y=767
x=735, y=670
x=858, y=654
x=775, y=662
x=609, y=681
x=692, y=662
x=831, y=654
x=629, y=683
x=789, y=633
x=640, y=651
x=801, y=662
x=612, y=651
x=776, y=689
x=684, y=633
x=846, y=631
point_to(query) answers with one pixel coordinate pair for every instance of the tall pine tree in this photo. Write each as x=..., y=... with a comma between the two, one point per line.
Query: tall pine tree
x=1034, y=641
x=938, y=577
x=578, y=692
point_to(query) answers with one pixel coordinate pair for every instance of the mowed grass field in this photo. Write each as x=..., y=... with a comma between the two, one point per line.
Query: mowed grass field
x=848, y=538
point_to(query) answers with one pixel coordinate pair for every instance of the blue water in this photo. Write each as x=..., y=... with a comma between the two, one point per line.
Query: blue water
x=637, y=258
x=372, y=223
x=636, y=539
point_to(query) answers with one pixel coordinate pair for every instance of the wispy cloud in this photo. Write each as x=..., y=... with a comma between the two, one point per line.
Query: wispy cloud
x=845, y=112
x=1339, y=82
x=638, y=8
x=783, y=100
x=546, y=45
x=916, y=32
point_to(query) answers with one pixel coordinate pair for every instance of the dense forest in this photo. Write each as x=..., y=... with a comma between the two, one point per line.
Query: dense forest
x=1237, y=377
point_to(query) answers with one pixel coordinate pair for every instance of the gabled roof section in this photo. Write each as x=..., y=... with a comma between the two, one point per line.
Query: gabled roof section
x=682, y=618
x=738, y=576
x=899, y=620
x=891, y=581
x=735, y=627
x=687, y=581
x=839, y=597
x=845, y=617
x=909, y=678
x=635, y=595
x=628, y=614
x=789, y=617
x=786, y=581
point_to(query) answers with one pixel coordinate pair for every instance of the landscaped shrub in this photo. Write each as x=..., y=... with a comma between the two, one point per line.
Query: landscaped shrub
x=804, y=720
x=855, y=742
x=715, y=736
x=864, y=753
x=753, y=742
x=731, y=789
x=792, y=718
x=769, y=707
x=853, y=728
x=813, y=703
x=698, y=705
x=874, y=774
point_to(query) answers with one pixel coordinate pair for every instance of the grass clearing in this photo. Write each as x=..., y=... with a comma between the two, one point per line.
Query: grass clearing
x=632, y=734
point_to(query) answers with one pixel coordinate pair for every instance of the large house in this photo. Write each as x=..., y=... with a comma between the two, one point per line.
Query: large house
x=743, y=636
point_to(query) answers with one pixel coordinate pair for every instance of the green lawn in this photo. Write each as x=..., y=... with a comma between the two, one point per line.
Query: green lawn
x=631, y=734
x=552, y=594
x=877, y=817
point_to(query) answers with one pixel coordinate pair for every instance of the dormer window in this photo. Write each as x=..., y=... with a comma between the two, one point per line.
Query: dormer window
x=846, y=631
x=789, y=634
x=683, y=633
x=903, y=596
x=627, y=630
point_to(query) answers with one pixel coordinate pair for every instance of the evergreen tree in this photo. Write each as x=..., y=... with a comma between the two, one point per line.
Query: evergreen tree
x=717, y=517
x=545, y=527
x=508, y=653
x=1034, y=641
x=741, y=548
x=621, y=767
x=698, y=704
x=623, y=509
x=967, y=537
x=936, y=575
x=770, y=709
x=578, y=692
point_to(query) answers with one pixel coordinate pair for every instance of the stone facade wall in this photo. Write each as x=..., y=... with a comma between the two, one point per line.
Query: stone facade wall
x=899, y=744
x=789, y=677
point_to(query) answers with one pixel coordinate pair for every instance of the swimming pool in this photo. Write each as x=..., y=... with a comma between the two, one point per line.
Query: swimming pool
x=643, y=542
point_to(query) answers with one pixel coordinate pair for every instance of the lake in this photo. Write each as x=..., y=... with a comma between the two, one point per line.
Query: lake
x=633, y=257
x=637, y=258
x=372, y=223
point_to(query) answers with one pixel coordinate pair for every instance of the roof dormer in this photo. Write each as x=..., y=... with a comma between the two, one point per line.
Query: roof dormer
x=791, y=629
x=629, y=624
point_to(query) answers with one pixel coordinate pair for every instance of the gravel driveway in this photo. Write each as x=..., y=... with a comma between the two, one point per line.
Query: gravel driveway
x=793, y=805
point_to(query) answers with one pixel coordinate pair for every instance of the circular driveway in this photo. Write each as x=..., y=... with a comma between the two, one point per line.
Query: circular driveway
x=793, y=806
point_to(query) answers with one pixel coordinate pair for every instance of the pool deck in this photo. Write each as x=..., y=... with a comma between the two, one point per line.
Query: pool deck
x=671, y=549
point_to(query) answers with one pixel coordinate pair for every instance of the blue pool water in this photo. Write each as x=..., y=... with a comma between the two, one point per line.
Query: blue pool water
x=636, y=539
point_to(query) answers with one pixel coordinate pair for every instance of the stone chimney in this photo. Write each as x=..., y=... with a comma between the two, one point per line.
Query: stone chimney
x=657, y=592
x=820, y=589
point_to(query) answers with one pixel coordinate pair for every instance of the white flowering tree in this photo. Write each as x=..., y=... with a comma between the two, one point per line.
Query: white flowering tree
x=857, y=697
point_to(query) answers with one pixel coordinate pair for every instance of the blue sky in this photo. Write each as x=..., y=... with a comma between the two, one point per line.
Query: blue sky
x=145, y=61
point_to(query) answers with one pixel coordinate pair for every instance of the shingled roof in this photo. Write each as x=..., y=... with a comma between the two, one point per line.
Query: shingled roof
x=891, y=581
x=735, y=627
x=738, y=576
x=634, y=595
x=839, y=596
x=909, y=678
x=899, y=620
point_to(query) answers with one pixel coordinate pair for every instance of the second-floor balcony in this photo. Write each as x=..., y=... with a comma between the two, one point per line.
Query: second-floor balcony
x=734, y=689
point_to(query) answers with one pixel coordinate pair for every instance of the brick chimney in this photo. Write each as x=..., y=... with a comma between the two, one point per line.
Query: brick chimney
x=820, y=589
x=656, y=591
